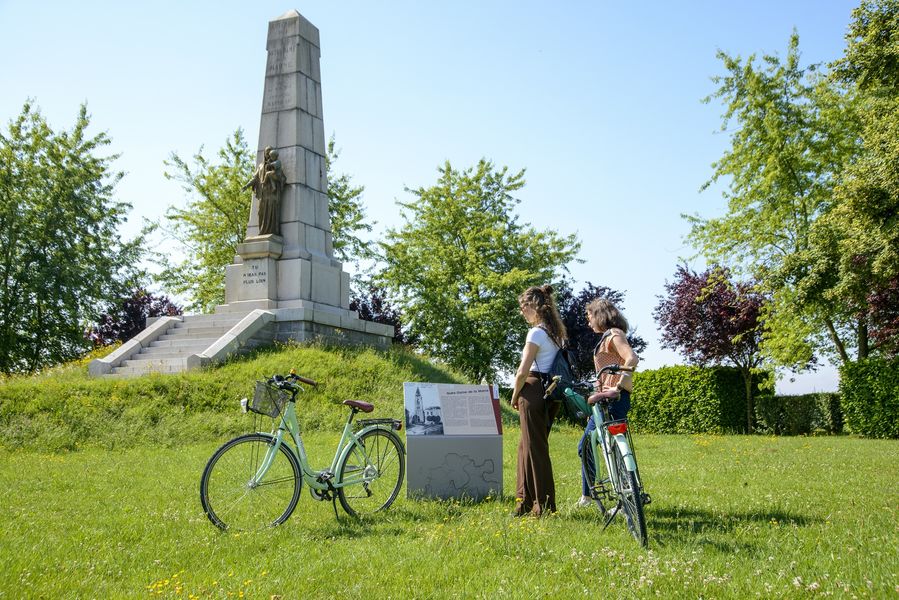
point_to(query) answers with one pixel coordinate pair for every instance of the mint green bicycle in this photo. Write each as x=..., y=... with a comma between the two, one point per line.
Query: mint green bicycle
x=254, y=481
x=610, y=445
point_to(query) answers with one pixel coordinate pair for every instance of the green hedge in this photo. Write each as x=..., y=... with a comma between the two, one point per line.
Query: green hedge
x=870, y=397
x=686, y=399
x=800, y=414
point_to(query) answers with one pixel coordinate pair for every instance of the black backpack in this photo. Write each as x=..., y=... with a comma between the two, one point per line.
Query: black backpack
x=562, y=367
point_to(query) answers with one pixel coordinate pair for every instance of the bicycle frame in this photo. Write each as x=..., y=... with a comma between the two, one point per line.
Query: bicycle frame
x=602, y=437
x=348, y=440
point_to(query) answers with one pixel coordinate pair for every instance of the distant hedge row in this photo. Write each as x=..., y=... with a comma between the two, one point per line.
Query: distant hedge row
x=870, y=397
x=799, y=415
x=684, y=399
x=687, y=399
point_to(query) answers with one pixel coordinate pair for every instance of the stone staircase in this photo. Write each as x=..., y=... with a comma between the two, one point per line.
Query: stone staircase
x=174, y=341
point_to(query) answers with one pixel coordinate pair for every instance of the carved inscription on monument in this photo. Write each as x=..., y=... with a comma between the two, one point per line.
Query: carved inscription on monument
x=254, y=273
x=282, y=58
x=280, y=93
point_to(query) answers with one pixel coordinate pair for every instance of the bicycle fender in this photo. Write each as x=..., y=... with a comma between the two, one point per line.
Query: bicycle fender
x=349, y=447
x=626, y=454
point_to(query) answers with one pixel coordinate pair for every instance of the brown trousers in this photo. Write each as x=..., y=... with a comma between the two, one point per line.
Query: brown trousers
x=535, y=489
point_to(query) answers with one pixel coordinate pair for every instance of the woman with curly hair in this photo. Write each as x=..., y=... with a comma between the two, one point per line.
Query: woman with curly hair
x=604, y=318
x=535, y=488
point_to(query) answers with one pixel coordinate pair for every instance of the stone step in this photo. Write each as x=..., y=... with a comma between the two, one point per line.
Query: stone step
x=153, y=363
x=199, y=332
x=206, y=324
x=163, y=352
x=184, y=342
x=144, y=370
x=219, y=317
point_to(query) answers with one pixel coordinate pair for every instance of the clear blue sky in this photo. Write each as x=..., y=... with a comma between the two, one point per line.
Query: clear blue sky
x=599, y=101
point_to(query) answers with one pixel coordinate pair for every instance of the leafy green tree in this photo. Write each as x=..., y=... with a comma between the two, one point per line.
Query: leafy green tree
x=457, y=265
x=61, y=256
x=793, y=131
x=348, y=218
x=862, y=232
x=212, y=223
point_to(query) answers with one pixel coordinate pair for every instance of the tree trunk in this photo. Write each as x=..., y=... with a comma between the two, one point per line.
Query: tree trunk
x=863, y=349
x=841, y=349
x=750, y=408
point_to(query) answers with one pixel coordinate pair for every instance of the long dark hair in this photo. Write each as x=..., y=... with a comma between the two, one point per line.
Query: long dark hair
x=541, y=300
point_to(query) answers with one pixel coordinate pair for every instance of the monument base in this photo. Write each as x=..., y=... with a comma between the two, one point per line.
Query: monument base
x=304, y=321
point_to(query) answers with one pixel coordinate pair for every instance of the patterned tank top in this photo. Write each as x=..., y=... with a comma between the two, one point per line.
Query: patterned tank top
x=606, y=355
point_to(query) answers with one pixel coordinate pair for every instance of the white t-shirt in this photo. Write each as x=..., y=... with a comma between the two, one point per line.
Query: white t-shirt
x=546, y=349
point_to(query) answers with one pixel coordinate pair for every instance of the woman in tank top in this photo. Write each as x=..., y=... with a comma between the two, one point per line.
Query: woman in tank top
x=613, y=348
x=535, y=488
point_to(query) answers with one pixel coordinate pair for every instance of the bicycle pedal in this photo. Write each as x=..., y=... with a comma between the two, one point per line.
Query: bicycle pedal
x=647, y=499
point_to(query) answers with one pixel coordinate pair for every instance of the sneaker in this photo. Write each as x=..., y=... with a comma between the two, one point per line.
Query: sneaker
x=584, y=502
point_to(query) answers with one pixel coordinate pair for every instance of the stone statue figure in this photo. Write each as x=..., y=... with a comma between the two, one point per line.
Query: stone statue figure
x=268, y=183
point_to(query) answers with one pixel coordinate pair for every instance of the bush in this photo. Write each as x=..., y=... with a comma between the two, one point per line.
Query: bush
x=870, y=397
x=800, y=414
x=686, y=399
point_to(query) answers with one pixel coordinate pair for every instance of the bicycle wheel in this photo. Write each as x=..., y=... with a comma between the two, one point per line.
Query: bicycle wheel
x=631, y=499
x=593, y=484
x=230, y=497
x=379, y=470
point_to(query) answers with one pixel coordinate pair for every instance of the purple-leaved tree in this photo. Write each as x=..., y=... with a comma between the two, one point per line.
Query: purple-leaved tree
x=582, y=339
x=126, y=319
x=711, y=319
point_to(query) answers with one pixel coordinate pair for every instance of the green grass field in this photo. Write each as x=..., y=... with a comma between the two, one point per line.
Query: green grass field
x=732, y=517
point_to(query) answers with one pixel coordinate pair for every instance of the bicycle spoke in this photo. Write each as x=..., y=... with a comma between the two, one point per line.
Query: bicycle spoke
x=231, y=497
x=274, y=481
x=381, y=452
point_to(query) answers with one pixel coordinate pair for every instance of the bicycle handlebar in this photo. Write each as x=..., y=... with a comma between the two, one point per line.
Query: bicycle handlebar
x=616, y=369
x=551, y=387
x=307, y=381
x=284, y=383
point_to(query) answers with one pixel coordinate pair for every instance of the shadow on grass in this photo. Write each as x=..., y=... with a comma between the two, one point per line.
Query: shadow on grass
x=686, y=525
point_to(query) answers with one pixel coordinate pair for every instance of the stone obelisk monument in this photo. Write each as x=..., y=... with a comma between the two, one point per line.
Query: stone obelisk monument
x=286, y=265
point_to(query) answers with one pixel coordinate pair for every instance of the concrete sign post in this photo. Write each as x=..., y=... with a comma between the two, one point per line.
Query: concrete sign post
x=454, y=441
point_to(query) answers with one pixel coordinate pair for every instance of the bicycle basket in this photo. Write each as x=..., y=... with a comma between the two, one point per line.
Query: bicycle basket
x=268, y=401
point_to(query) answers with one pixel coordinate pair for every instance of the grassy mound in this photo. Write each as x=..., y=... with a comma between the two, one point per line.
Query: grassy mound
x=64, y=409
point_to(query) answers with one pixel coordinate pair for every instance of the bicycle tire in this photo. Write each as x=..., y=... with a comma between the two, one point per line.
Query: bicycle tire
x=592, y=486
x=231, y=503
x=631, y=499
x=383, y=461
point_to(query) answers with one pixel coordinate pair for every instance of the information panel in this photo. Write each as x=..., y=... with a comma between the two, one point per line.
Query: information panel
x=450, y=409
x=453, y=440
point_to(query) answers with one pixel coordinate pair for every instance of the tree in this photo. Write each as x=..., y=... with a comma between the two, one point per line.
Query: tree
x=209, y=228
x=372, y=305
x=795, y=132
x=862, y=232
x=581, y=339
x=458, y=264
x=128, y=317
x=884, y=314
x=711, y=319
x=61, y=255
x=348, y=218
